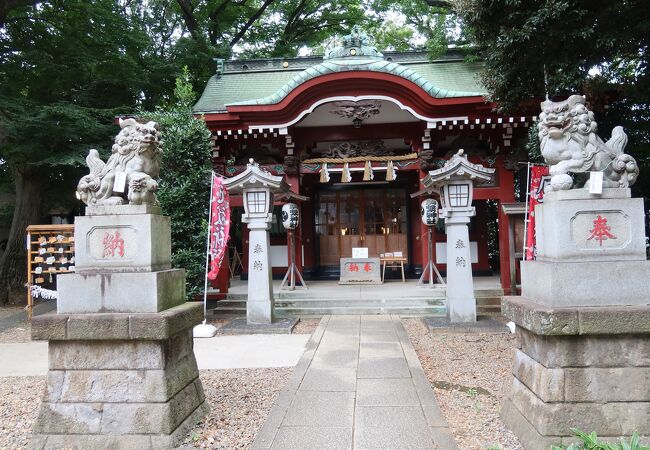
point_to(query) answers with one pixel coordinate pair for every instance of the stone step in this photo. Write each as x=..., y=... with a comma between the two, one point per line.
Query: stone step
x=305, y=294
x=302, y=303
x=359, y=310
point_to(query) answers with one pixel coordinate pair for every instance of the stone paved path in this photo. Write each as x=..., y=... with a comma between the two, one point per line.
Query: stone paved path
x=358, y=385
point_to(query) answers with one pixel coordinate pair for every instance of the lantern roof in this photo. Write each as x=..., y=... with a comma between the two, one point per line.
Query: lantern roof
x=255, y=177
x=458, y=168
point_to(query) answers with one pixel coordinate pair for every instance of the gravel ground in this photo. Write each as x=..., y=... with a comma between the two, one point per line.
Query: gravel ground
x=20, y=398
x=468, y=372
x=306, y=326
x=21, y=333
x=239, y=400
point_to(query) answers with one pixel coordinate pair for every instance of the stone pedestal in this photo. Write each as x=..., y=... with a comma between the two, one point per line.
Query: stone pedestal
x=461, y=304
x=583, y=323
x=578, y=367
x=122, y=372
x=260, y=303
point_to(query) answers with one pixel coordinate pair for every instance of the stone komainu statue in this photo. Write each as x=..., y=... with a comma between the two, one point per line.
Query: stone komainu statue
x=131, y=172
x=569, y=144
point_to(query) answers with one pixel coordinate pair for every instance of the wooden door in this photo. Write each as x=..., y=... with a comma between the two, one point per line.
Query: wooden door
x=373, y=218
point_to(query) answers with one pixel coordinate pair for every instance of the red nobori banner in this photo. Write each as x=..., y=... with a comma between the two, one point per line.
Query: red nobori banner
x=219, y=225
x=536, y=195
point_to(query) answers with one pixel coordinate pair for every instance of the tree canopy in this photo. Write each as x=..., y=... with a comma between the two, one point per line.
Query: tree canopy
x=597, y=48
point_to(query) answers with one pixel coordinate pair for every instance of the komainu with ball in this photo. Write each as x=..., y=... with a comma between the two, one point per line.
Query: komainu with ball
x=131, y=172
x=570, y=145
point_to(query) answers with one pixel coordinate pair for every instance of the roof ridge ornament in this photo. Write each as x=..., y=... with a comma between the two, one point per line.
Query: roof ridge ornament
x=355, y=44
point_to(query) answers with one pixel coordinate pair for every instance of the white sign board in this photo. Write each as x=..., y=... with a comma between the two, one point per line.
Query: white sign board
x=595, y=182
x=359, y=252
x=119, y=184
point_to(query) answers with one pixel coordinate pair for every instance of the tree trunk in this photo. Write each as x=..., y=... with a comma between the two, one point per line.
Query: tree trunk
x=29, y=199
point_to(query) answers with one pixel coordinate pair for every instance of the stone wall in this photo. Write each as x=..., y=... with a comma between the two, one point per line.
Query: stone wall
x=585, y=368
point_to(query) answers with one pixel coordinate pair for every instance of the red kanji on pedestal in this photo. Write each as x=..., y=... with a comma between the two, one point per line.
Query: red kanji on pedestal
x=601, y=231
x=366, y=267
x=112, y=242
x=353, y=268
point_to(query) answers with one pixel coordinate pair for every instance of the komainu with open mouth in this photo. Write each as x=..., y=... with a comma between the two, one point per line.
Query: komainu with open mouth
x=570, y=145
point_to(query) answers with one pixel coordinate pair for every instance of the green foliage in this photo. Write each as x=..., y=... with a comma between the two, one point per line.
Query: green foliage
x=593, y=47
x=532, y=146
x=184, y=184
x=590, y=441
x=413, y=25
x=535, y=47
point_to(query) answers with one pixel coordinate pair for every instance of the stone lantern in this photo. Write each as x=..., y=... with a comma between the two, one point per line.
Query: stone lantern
x=258, y=187
x=455, y=184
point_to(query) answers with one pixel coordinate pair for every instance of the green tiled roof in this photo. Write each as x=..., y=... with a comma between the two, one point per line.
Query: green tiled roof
x=444, y=78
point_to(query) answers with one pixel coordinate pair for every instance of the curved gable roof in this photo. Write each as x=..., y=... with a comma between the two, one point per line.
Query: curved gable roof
x=444, y=78
x=270, y=81
x=343, y=65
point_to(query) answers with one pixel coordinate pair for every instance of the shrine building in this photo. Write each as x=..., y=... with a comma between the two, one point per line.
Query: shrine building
x=355, y=132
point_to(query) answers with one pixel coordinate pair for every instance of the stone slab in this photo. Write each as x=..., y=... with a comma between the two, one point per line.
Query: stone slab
x=106, y=355
x=116, y=210
x=329, y=380
x=331, y=438
x=120, y=442
x=271, y=426
x=122, y=243
x=483, y=324
x=380, y=349
x=564, y=230
x=547, y=384
x=336, y=358
x=134, y=292
x=618, y=350
x=528, y=436
x=557, y=419
x=118, y=326
x=559, y=284
x=386, y=392
x=620, y=384
x=360, y=271
x=241, y=326
x=322, y=409
x=383, y=367
x=584, y=194
x=390, y=427
x=378, y=336
x=540, y=319
x=544, y=320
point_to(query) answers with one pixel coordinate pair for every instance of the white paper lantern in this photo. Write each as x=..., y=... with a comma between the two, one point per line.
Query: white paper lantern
x=290, y=216
x=429, y=212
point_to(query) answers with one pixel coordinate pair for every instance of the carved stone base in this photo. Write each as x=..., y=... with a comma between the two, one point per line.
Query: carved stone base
x=578, y=367
x=119, y=380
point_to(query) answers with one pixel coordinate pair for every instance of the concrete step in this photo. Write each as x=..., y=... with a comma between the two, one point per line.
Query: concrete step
x=311, y=307
x=358, y=310
x=302, y=303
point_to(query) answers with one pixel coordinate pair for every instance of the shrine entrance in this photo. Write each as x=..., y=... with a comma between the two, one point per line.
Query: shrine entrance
x=375, y=217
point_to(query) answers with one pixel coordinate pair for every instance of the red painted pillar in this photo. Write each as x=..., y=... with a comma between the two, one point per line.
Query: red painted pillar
x=294, y=182
x=507, y=195
x=504, y=250
x=423, y=229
